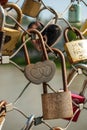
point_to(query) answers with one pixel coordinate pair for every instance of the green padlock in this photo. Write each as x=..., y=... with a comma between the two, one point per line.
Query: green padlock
x=74, y=15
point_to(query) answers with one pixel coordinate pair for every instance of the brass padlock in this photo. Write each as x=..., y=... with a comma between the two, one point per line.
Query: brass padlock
x=59, y=104
x=31, y=7
x=12, y=34
x=41, y=71
x=76, y=49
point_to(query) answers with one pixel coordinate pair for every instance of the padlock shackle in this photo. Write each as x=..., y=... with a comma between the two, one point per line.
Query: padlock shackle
x=63, y=65
x=18, y=11
x=42, y=44
x=25, y=48
x=75, y=30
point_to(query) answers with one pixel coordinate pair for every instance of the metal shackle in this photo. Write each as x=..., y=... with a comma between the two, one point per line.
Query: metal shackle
x=35, y=31
x=63, y=65
x=18, y=11
x=73, y=29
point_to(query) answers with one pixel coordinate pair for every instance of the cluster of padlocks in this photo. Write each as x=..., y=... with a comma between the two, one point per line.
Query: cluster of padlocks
x=60, y=104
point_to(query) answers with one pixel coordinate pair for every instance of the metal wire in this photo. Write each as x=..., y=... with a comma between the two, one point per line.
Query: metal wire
x=21, y=93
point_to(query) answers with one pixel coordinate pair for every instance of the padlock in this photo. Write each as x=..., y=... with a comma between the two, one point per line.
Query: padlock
x=74, y=14
x=12, y=34
x=31, y=7
x=77, y=48
x=42, y=71
x=59, y=104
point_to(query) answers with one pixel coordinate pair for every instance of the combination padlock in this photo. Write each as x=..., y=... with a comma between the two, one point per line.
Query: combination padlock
x=31, y=7
x=41, y=71
x=12, y=34
x=77, y=48
x=58, y=104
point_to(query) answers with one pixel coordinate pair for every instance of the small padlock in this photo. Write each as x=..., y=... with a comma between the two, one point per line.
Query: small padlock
x=42, y=71
x=12, y=34
x=31, y=7
x=74, y=15
x=59, y=104
x=76, y=49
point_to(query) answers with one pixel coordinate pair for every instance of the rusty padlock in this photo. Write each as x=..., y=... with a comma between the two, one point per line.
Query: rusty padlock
x=76, y=49
x=59, y=104
x=12, y=34
x=31, y=7
x=42, y=71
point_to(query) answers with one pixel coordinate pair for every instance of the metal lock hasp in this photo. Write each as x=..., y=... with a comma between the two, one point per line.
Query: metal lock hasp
x=12, y=34
x=31, y=7
x=41, y=71
x=58, y=104
x=76, y=49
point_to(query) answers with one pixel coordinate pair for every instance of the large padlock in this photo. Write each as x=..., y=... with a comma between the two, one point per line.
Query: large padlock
x=31, y=7
x=59, y=104
x=77, y=48
x=41, y=71
x=12, y=34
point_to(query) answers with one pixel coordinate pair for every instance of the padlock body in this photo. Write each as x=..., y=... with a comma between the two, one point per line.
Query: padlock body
x=76, y=50
x=57, y=105
x=12, y=36
x=31, y=8
x=75, y=13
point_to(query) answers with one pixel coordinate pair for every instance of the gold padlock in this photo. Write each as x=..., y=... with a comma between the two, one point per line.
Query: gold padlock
x=12, y=34
x=77, y=49
x=58, y=104
x=31, y=7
